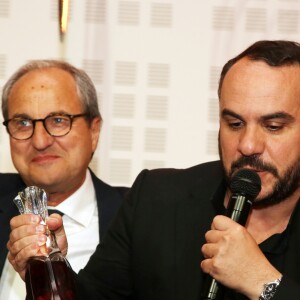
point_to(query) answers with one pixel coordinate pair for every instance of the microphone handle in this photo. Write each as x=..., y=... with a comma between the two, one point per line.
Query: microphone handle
x=238, y=210
x=212, y=289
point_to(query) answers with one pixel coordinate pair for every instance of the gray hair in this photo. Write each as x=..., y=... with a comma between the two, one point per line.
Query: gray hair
x=85, y=87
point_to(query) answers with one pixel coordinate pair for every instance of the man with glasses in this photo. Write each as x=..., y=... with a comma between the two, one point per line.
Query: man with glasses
x=51, y=114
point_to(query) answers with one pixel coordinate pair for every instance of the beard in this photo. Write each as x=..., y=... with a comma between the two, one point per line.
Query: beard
x=284, y=186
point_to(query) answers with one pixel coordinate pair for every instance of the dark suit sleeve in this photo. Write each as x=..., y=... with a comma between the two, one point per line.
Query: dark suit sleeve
x=108, y=273
x=10, y=185
x=288, y=289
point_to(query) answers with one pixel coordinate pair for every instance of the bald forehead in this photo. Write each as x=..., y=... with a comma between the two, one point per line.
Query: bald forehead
x=44, y=79
x=50, y=76
x=262, y=76
x=247, y=65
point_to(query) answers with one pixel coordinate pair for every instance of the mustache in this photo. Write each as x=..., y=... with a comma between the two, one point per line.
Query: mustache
x=253, y=162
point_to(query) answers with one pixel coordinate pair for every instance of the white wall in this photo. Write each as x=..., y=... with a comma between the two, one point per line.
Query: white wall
x=155, y=64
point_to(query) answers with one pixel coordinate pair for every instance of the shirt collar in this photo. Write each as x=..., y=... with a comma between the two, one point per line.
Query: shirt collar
x=81, y=205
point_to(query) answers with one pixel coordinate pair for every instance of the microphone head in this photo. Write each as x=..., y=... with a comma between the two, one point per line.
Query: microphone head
x=245, y=182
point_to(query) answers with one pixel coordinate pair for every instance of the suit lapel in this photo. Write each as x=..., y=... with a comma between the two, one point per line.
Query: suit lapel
x=108, y=201
x=193, y=218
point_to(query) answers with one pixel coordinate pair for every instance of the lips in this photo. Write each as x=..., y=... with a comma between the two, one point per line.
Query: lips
x=255, y=170
x=258, y=171
x=44, y=158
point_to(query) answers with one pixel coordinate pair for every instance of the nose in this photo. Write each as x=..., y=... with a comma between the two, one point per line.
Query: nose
x=251, y=141
x=41, y=139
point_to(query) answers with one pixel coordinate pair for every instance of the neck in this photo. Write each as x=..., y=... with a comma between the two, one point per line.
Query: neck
x=56, y=198
x=267, y=221
x=58, y=194
x=59, y=191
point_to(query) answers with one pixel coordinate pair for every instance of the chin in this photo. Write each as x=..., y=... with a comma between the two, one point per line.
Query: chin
x=44, y=182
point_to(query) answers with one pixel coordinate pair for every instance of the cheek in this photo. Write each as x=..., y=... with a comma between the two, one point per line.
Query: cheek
x=282, y=159
x=225, y=144
x=18, y=155
x=79, y=148
x=18, y=149
x=228, y=150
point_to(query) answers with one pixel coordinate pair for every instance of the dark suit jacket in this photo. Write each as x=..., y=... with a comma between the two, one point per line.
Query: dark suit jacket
x=152, y=251
x=108, y=199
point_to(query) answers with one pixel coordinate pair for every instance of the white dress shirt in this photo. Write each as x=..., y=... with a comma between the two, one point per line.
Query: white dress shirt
x=82, y=228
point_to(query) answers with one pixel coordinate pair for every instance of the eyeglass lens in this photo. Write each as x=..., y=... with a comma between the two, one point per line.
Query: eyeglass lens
x=21, y=128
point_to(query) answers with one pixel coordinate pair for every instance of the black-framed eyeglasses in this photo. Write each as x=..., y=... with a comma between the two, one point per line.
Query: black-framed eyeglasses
x=56, y=125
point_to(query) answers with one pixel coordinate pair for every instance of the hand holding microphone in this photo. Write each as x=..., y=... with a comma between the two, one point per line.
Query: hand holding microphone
x=245, y=186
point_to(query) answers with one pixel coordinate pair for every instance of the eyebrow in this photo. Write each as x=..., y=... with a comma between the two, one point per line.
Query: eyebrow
x=23, y=116
x=276, y=115
x=230, y=113
x=279, y=115
x=26, y=116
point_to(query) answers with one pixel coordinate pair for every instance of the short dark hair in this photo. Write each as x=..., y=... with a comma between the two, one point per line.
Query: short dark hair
x=274, y=53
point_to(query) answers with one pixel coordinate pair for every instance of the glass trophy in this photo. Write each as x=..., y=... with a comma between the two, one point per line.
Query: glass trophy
x=48, y=277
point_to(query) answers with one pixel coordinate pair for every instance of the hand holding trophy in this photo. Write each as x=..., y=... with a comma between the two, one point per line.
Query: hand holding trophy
x=47, y=277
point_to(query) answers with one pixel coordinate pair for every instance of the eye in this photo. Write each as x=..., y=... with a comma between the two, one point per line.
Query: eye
x=21, y=123
x=58, y=121
x=274, y=126
x=234, y=124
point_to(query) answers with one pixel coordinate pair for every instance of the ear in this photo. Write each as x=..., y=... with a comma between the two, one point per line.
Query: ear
x=95, y=131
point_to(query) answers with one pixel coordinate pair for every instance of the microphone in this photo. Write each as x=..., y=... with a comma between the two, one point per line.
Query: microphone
x=245, y=185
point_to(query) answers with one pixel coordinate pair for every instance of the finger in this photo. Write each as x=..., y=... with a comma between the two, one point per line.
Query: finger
x=22, y=250
x=54, y=222
x=20, y=260
x=213, y=236
x=222, y=223
x=26, y=231
x=206, y=265
x=210, y=250
x=34, y=242
x=22, y=220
